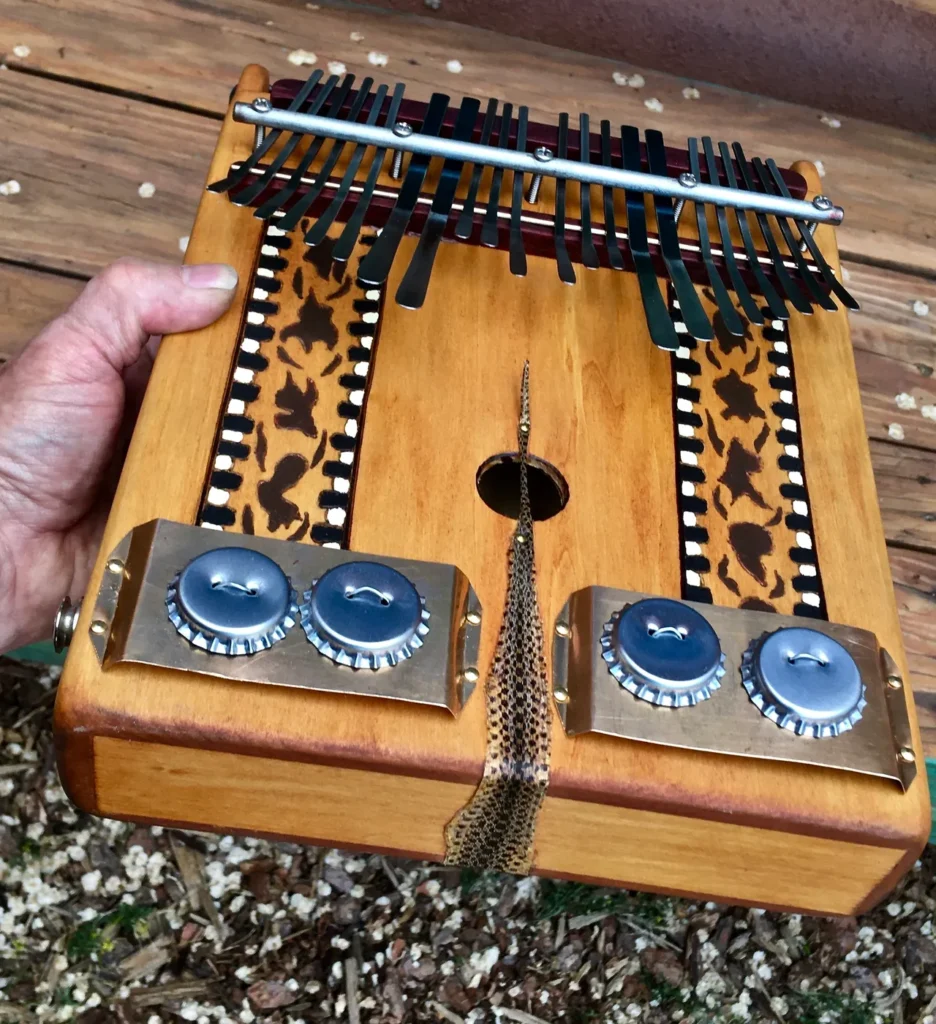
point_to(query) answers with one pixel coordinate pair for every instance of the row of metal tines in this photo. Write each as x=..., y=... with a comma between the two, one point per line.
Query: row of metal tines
x=803, y=283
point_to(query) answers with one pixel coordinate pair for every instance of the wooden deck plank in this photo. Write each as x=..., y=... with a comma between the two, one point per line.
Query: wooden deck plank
x=192, y=53
x=29, y=299
x=915, y=585
x=906, y=486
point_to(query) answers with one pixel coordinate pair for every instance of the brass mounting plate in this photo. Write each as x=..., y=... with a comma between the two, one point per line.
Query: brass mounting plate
x=130, y=622
x=728, y=723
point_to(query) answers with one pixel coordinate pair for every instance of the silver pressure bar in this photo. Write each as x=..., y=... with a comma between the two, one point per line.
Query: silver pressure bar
x=821, y=210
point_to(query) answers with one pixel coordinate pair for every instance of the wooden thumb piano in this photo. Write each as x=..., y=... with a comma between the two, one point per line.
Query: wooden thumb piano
x=518, y=514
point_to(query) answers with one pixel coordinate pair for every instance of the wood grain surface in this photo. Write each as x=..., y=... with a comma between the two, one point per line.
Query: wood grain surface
x=191, y=54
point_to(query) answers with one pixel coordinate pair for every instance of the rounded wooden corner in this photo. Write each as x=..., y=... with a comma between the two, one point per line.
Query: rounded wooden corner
x=74, y=755
x=808, y=170
x=254, y=78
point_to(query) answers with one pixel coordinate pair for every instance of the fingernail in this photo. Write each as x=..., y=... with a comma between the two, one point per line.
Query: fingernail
x=210, y=275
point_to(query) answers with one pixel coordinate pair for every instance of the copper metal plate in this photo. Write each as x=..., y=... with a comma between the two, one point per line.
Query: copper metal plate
x=727, y=723
x=130, y=622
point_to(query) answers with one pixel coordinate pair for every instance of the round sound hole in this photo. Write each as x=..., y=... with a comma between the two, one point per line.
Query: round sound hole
x=498, y=483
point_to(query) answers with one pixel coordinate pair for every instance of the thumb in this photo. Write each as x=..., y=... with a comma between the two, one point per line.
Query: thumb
x=110, y=322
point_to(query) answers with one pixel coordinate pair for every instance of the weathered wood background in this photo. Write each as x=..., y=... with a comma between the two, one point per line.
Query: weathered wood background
x=100, y=96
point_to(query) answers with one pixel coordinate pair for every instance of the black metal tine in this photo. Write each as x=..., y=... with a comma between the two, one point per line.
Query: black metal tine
x=693, y=315
x=589, y=252
x=729, y=315
x=297, y=211
x=815, y=289
x=793, y=290
x=775, y=304
x=250, y=192
x=563, y=263
x=659, y=322
x=343, y=248
x=412, y=290
x=750, y=307
x=489, y=233
x=841, y=292
x=615, y=258
x=518, y=263
x=375, y=266
x=271, y=137
x=466, y=220
x=319, y=229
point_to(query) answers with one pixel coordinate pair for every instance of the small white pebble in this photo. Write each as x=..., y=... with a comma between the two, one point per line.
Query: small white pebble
x=893, y=909
x=183, y=243
x=10, y=188
x=378, y=59
x=302, y=57
x=455, y=66
x=921, y=308
x=820, y=168
x=313, y=7
x=21, y=51
x=691, y=93
x=905, y=401
x=895, y=431
x=147, y=190
x=356, y=37
x=654, y=104
x=929, y=412
x=832, y=122
x=335, y=67
x=634, y=81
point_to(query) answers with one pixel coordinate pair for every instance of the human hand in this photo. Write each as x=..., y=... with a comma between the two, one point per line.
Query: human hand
x=67, y=405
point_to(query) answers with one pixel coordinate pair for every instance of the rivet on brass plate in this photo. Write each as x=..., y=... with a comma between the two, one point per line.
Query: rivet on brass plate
x=562, y=628
x=115, y=565
x=894, y=682
x=907, y=755
x=561, y=696
x=474, y=618
x=98, y=627
x=470, y=675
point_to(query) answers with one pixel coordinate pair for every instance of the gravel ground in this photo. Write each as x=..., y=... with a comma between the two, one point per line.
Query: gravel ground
x=101, y=921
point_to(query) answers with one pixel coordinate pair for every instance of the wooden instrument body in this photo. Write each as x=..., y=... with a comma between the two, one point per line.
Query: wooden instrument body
x=189, y=750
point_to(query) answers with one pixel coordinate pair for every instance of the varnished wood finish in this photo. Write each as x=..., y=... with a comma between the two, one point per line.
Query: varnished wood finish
x=444, y=398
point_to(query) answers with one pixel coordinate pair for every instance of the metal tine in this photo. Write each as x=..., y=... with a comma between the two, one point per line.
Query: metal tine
x=806, y=275
x=776, y=307
x=489, y=231
x=299, y=208
x=375, y=266
x=589, y=252
x=793, y=290
x=659, y=322
x=615, y=258
x=518, y=263
x=729, y=315
x=236, y=177
x=250, y=192
x=693, y=315
x=412, y=291
x=466, y=220
x=319, y=229
x=750, y=307
x=563, y=263
x=841, y=292
x=343, y=248
x=275, y=202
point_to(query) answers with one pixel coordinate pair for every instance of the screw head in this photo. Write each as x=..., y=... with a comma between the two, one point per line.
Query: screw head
x=562, y=628
x=823, y=203
x=894, y=682
x=115, y=566
x=471, y=675
x=474, y=618
x=687, y=180
x=907, y=755
x=98, y=627
x=561, y=696
x=543, y=154
x=261, y=104
x=403, y=129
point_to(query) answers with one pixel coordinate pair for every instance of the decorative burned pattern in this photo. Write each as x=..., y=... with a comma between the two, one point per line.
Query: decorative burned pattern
x=284, y=459
x=745, y=525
